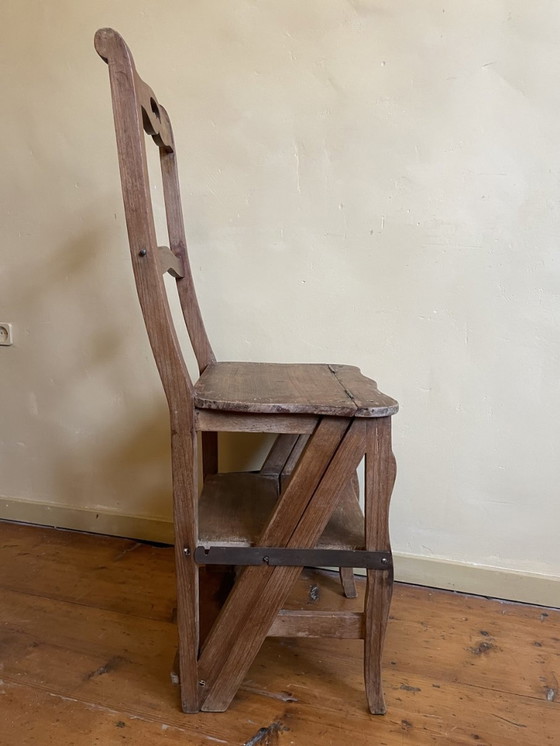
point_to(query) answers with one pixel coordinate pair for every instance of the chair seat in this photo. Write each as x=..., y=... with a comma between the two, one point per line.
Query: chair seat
x=234, y=509
x=284, y=388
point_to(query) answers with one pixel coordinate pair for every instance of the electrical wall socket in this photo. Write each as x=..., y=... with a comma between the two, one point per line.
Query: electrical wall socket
x=6, y=337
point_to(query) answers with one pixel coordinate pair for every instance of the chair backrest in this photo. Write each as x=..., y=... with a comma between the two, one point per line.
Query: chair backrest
x=137, y=111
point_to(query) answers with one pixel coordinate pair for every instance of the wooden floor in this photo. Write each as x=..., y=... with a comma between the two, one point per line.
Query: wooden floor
x=87, y=640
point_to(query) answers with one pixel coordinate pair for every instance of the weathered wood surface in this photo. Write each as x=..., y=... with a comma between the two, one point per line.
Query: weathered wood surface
x=309, y=495
x=281, y=462
x=207, y=420
x=379, y=480
x=276, y=460
x=83, y=660
x=284, y=388
x=338, y=624
x=293, y=458
x=369, y=401
x=234, y=509
x=178, y=243
x=348, y=582
x=260, y=592
x=348, y=503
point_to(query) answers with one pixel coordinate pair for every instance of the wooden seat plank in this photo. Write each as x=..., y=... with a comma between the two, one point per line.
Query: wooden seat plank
x=288, y=388
x=272, y=388
x=369, y=401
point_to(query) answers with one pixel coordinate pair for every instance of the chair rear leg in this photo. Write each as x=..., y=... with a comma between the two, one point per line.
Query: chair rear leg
x=348, y=582
x=187, y=627
x=185, y=492
x=379, y=591
x=347, y=579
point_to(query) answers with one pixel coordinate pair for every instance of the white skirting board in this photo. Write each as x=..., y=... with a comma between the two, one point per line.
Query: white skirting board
x=483, y=580
x=100, y=521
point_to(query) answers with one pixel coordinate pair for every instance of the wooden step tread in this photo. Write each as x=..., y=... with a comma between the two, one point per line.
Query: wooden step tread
x=234, y=509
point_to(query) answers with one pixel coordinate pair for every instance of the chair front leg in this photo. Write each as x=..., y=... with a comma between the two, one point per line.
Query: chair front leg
x=380, y=477
x=347, y=578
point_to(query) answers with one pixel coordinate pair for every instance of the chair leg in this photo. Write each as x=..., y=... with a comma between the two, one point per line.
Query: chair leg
x=185, y=478
x=187, y=627
x=379, y=590
x=346, y=574
x=348, y=582
x=380, y=478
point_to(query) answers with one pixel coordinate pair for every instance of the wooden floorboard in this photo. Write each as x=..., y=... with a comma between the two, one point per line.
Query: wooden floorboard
x=87, y=640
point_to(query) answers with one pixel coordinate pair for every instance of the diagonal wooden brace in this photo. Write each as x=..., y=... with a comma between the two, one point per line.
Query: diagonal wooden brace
x=294, y=498
x=297, y=522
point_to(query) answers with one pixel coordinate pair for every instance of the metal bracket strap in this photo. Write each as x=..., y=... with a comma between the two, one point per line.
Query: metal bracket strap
x=286, y=557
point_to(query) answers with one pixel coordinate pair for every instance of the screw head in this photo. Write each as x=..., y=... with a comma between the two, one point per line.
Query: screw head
x=143, y=252
x=187, y=551
x=266, y=559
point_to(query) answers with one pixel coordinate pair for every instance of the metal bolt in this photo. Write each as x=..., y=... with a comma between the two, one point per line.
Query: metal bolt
x=187, y=551
x=202, y=682
x=142, y=252
x=266, y=559
x=384, y=561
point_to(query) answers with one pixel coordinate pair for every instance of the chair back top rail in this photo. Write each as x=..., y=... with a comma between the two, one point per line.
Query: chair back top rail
x=137, y=111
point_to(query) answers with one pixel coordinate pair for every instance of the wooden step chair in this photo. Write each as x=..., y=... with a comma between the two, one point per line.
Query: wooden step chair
x=301, y=508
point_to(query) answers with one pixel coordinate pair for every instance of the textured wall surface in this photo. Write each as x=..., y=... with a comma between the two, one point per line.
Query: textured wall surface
x=371, y=182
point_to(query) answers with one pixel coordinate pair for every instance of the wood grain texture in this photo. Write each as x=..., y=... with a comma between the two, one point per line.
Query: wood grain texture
x=348, y=582
x=380, y=475
x=269, y=388
x=178, y=243
x=338, y=624
x=129, y=98
x=89, y=663
x=291, y=461
x=350, y=504
x=227, y=639
x=260, y=592
x=369, y=401
x=281, y=461
x=234, y=509
x=308, y=475
x=235, y=422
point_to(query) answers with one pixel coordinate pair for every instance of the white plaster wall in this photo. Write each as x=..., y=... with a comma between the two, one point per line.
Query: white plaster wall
x=372, y=182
